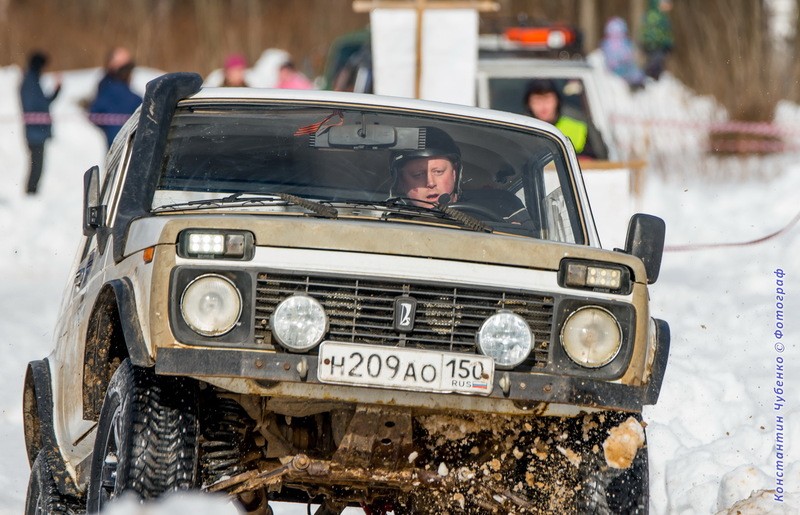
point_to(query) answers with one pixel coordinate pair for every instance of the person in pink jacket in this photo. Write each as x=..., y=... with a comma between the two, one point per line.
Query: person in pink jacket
x=290, y=78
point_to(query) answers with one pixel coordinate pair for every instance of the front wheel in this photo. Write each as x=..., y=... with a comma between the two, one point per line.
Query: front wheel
x=147, y=437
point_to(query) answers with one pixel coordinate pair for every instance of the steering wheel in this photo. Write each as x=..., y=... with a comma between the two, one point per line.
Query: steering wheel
x=482, y=212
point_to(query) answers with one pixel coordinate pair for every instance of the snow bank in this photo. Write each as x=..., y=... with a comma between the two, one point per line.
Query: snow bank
x=196, y=504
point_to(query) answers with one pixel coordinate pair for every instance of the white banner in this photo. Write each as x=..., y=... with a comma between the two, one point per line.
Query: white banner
x=449, y=53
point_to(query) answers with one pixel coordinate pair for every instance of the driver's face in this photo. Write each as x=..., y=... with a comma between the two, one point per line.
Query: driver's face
x=426, y=178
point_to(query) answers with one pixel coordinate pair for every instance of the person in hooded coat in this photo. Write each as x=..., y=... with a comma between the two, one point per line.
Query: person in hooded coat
x=620, y=53
x=36, y=115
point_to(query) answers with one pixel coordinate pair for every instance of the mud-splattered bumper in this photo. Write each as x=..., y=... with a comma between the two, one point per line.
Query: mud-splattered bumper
x=528, y=391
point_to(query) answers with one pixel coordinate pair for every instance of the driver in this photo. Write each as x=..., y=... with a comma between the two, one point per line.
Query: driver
x=424, y=175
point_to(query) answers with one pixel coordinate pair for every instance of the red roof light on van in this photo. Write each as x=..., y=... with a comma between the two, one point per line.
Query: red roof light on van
x=545, y=37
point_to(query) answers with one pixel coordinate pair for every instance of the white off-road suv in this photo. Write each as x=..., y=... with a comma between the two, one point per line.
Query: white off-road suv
x=351, y=300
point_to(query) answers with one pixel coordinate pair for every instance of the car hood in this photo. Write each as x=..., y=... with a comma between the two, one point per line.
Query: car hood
x=374, y=237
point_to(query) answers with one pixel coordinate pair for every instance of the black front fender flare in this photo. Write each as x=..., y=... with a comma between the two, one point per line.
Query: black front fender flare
x=129, y=318
x=39, y=430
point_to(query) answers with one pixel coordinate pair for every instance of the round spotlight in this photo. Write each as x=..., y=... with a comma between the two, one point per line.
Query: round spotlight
x=506, y=338
x=299, y=323
x=591, y=336
x=211, y=305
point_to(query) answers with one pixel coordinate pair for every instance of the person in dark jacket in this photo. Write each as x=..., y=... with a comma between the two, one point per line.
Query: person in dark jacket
x=657, y=37
x=36, y=115
x=115, y=101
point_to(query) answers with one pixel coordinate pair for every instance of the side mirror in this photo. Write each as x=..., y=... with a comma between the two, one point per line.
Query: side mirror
x=94, y=214
x=646, y=241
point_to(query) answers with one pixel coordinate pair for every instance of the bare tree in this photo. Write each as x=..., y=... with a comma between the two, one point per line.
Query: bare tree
x=723, y=49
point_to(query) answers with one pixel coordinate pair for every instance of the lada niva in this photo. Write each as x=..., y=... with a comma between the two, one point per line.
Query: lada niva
x=351, y=300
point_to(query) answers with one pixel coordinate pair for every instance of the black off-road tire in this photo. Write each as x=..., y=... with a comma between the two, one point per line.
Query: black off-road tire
x=147, y=437
x=607, y=491
x=43, y=495
x=630, y=491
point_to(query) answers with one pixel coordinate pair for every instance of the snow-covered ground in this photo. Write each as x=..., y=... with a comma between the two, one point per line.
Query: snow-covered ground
x=712, y=436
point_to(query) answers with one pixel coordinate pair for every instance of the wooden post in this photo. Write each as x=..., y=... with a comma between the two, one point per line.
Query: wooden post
x=418, y=68
x=637, y=16
x=361, y=6
x=587, y=20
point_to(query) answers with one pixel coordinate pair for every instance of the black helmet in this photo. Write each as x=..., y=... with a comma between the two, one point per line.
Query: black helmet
x=433, y=142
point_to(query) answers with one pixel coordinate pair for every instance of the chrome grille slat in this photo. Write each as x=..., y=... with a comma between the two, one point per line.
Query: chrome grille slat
x=362, y=311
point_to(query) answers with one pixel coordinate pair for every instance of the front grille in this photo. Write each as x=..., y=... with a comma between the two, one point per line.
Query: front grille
x=362, y=311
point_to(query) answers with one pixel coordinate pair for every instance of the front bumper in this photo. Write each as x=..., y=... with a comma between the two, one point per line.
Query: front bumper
x=293, y=375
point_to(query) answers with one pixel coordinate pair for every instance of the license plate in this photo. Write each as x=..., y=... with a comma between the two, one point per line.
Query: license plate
x=405, y=369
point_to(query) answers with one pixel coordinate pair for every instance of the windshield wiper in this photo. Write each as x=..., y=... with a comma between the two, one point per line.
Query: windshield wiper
x=245, y=199
x=404, y=206
x=310, y=205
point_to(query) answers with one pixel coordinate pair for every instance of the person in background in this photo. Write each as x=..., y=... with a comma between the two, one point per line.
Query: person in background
x=620, y=53
x=657, y=39
x=234, y=70
x=290, y=78
x=115, y=101
x=543, y=101
x=36, y=115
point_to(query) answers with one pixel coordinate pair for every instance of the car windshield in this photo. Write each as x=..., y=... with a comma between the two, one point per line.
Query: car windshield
x=368, y=163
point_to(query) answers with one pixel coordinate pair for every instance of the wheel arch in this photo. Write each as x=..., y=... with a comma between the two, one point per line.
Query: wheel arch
x=113, y=334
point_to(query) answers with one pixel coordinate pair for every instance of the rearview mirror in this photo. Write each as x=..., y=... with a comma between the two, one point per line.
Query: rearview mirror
x=94, y=214
x=349, y=136
x=645, y=240
x=368, y=136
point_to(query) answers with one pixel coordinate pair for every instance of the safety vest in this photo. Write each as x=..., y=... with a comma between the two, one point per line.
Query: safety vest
x=575, y=130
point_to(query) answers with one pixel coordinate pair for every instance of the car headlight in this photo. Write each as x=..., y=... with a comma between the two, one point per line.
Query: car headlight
x=211, y=305
x=506, y=338
x=299, y=323
x=591, y=337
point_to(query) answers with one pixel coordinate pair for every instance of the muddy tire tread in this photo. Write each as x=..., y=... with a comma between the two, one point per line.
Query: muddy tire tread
x=161, y=448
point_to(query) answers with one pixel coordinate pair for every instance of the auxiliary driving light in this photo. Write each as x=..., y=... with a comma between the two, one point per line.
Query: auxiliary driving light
x=591, y=337
x=211, y=305
x=299, y=323
x=210, y=244
x=589, y=275
x=507, y=338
